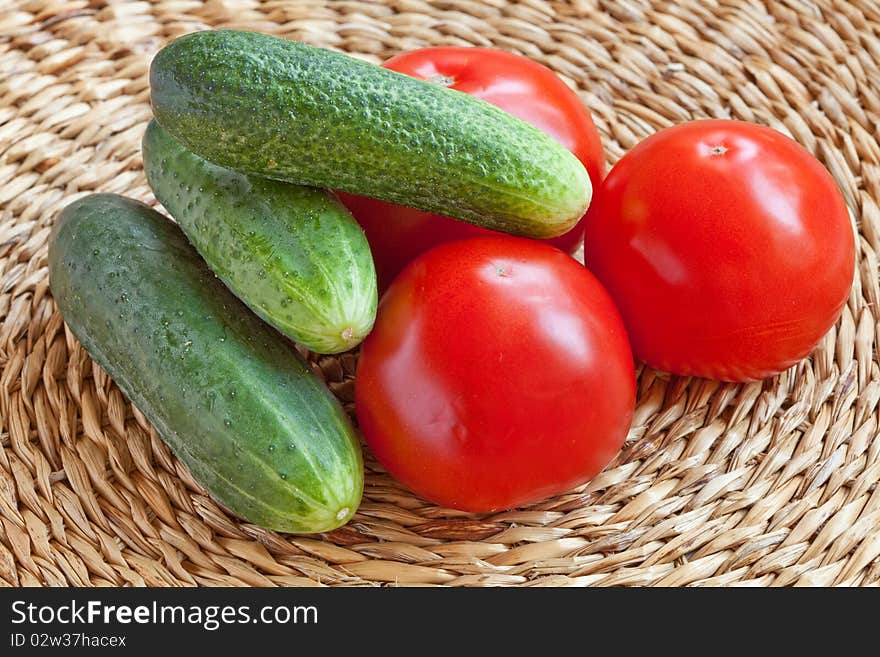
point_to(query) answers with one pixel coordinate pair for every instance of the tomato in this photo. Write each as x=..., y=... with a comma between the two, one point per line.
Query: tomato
x=727, y=247
x=498, y=373
x=520, y=86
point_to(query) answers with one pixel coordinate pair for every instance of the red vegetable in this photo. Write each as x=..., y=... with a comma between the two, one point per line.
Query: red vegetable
x=498, y=373
x=726, y=246
x=524, y=88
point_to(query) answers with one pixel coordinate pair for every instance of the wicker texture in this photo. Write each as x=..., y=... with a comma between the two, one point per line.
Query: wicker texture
x=771, y=483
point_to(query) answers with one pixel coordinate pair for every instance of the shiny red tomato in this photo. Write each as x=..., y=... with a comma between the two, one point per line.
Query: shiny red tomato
x=520, y=86
x=726, y=246
x=498, y=373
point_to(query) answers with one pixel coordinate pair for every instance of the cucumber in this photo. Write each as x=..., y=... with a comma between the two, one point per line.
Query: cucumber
x=231, y=396
x=285, y=110
x=293, y=254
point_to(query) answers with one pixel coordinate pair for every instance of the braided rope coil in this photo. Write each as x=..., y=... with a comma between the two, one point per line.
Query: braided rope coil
x=768, y=483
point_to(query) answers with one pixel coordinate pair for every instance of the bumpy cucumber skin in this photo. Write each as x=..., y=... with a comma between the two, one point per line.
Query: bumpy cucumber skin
x=230, y=396
x=289, y=111
x=293, y=254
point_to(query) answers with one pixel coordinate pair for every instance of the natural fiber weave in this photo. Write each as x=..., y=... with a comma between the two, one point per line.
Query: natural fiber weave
x=771, y=483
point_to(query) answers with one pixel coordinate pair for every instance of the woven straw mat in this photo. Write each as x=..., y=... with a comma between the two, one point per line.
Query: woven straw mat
x=769, y=483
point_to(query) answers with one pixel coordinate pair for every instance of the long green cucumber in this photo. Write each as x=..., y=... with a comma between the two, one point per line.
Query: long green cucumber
x=231, y=397
x=293, y=254
x=285, y=110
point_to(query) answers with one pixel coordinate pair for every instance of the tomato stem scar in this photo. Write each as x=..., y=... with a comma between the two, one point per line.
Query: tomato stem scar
x=439, y=78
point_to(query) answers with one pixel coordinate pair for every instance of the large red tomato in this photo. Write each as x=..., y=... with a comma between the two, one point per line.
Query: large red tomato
x=520, y=86
x=498, y=373
x=727, y=247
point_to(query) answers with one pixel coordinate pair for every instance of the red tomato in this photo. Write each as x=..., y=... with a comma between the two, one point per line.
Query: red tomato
x=520, y=86
x=726, y=246
x=498, y=373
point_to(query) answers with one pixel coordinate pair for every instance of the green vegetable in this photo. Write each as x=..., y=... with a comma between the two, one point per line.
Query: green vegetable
x=285, y=110
x=230, y=396
x=293, y=254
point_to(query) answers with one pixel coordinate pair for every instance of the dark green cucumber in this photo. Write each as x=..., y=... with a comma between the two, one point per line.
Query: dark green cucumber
x=285, y=110
x=231, y=397
x=293, y=254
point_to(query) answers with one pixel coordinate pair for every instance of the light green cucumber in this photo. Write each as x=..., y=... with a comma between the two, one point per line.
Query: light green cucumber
x=293, y=254
x=285, y=110
x=232, y=397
